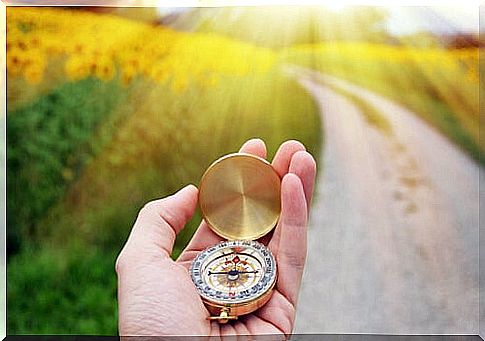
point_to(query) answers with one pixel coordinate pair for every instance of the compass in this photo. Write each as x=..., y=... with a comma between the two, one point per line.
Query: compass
x=239, y=197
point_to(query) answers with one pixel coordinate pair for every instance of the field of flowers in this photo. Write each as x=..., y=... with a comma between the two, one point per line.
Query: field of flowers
x=441, y=85
x=104, y=114
x=94, y=47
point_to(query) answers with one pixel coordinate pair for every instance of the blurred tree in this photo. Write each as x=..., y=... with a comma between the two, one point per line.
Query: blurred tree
x=420, y=39
x=67, y=3
x=144, y=14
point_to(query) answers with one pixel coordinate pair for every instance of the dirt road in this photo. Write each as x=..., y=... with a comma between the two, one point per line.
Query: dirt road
x=393, y=240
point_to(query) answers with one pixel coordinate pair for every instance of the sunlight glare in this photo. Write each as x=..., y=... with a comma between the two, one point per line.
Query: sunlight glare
x=336, y=6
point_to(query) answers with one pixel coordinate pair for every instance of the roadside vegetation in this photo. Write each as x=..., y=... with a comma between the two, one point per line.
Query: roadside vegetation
x=440, y=85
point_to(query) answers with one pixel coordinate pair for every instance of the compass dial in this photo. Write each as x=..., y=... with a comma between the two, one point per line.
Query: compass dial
x=237, y=271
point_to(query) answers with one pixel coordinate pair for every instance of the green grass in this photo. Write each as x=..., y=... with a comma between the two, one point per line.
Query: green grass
x=62, y=280
x=58, y=291
x=48, y=143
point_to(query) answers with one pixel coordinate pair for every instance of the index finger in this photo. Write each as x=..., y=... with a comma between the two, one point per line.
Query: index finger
x=292, y=248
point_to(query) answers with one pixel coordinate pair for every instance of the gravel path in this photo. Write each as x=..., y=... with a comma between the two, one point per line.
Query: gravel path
x=393, y=239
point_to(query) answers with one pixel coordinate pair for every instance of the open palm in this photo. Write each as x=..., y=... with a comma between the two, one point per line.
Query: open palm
x=156, y=295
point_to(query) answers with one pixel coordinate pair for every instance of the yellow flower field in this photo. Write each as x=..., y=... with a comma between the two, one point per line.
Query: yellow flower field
x=99, y=45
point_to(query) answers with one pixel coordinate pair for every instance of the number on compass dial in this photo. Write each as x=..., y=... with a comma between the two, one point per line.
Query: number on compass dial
x=234, y=271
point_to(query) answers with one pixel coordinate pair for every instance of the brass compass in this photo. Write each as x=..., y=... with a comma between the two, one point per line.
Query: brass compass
x=239, y=197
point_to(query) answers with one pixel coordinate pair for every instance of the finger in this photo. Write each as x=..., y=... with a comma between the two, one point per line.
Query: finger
x=281, y=161
x=204, y=236
x=292, y=246
x=254, y=146
x=159, y=221
x=304, y=166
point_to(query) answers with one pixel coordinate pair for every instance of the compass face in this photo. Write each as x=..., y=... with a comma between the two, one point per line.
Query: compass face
x=237, y=271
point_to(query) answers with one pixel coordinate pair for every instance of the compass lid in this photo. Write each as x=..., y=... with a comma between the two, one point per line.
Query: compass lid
x=239, y=196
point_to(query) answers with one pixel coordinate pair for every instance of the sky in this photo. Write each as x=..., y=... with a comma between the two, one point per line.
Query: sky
x=409, y=19
x=443, y=19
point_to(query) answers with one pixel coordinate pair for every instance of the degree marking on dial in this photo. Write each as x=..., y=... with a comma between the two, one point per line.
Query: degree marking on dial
x=241, y=254
x=256, y=270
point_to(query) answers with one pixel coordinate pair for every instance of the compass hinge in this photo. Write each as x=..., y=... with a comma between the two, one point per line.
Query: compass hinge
x=224, y=316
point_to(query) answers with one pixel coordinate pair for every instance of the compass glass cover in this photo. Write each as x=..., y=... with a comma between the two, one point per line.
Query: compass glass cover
x=236, y=271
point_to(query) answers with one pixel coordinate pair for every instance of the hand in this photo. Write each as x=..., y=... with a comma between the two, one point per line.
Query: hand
x=156, y=295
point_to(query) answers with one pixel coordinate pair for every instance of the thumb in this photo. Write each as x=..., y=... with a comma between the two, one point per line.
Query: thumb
x=159, y=221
